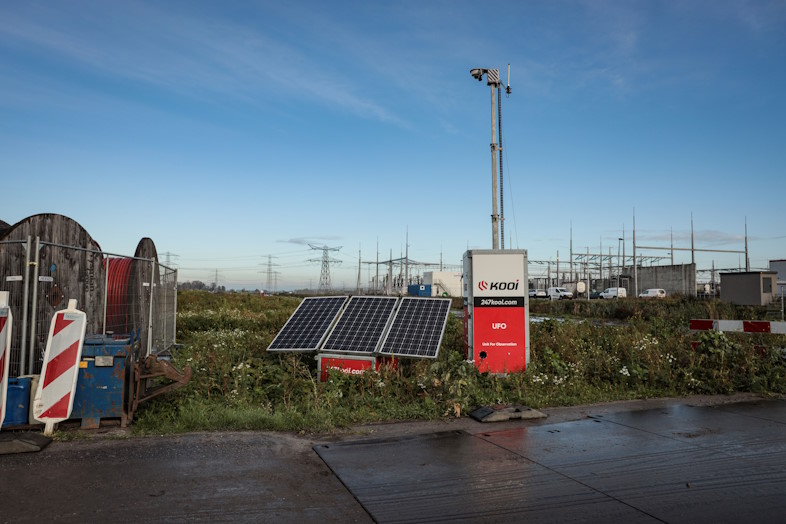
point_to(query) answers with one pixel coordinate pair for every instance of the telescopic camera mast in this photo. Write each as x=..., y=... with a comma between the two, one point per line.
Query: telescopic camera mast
x=492, y=80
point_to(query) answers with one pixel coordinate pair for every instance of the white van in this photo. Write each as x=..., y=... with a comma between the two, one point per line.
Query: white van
x=559, y=293
x=613, y=292
x=653, y=293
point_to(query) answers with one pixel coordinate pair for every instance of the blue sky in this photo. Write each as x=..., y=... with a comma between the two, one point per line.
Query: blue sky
x=229, y=131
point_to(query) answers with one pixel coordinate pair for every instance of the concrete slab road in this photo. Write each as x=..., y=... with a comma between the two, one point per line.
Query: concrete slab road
x=677, y=460
x=674, y=464
x=200, y=477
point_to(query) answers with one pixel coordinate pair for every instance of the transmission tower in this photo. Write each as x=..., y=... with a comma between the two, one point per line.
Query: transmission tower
x=168, y=258
x=324, y=275
x=269, y=284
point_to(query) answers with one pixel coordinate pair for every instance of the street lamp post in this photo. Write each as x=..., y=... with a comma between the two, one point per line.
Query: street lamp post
x=492, y=80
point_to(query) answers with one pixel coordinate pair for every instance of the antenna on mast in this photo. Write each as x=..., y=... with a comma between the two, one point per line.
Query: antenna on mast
x=507, y=88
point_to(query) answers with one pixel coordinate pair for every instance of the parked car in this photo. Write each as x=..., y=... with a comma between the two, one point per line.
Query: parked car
x=558, y=293
x=614, y=292
x=595, y=294
x=537, y=293
x=653, y=293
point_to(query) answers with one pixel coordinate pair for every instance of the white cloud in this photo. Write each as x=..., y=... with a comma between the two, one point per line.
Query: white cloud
x=187, y=56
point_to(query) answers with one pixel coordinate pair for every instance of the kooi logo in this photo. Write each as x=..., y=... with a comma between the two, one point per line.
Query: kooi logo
x=498, y=286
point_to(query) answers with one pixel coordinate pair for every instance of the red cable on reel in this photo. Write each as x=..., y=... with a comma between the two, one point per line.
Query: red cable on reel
x=118, y=301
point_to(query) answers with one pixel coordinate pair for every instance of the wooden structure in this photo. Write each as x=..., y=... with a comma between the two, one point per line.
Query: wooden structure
x=144, y=277
x=62, y=262
x=69, y=266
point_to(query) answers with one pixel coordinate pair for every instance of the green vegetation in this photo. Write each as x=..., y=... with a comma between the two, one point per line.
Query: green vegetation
x=586, y=352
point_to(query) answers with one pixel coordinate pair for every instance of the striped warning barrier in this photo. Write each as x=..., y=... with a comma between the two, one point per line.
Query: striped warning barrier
x=54, y=397
x=6, y=321
x=739, y=326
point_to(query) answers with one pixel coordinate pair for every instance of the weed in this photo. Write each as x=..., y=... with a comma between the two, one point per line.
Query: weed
x=643, y=351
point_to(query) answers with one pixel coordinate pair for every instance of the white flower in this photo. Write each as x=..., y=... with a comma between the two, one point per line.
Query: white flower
x=624, y=371
x=540, y=378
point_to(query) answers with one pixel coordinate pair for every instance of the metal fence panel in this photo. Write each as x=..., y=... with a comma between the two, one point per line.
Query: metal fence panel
x=164, y=310
x=64, y=273
x=118, y=294
x=13, y=262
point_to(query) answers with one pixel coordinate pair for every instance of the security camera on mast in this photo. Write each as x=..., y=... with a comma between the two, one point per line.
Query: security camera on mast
x=496, y=299
x=492, y=80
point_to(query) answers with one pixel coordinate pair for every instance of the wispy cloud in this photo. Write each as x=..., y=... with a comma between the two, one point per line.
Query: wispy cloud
x=186, y=55
x=307, y=241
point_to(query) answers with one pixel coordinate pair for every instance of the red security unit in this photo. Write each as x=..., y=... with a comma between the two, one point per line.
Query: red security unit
x=496, y=310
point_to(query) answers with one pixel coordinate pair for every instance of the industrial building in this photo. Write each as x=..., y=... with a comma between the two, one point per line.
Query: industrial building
x=779, y=266
x=443, y=283
x=749, y=288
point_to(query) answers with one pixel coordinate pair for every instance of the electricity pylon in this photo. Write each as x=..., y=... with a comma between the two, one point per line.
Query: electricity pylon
x=324, y=275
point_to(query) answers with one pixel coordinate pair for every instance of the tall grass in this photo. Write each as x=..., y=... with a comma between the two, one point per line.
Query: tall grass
x=647, y=353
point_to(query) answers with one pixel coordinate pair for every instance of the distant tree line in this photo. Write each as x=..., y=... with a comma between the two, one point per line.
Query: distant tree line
x=201, y=286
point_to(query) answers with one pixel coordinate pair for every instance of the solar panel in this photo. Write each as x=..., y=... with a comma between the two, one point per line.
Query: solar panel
x=417, y=328
x=361, y=326
x=306, y=328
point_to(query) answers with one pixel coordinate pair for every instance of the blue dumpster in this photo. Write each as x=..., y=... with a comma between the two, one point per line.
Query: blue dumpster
x=103, y=384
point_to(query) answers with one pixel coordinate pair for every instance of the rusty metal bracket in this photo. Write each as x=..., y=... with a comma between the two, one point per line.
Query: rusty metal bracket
x=153, y=368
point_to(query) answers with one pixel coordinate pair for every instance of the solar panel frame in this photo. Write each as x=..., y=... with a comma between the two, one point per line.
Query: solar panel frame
x=307, y=327
x=362, y=325
x=417, y=328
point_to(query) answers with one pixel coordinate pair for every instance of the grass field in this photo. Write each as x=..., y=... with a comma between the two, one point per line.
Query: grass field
x=584, y=352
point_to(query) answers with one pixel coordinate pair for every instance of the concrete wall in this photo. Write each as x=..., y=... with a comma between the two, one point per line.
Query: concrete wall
x=443, y=281
x=679, y=279
x=752, y=288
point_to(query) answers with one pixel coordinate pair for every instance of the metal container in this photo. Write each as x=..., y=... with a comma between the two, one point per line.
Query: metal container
x=104, y=382
x=419, y=290
x=17, y=402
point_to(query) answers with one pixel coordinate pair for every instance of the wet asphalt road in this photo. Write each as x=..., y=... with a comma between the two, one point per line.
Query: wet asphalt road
x=657, y=461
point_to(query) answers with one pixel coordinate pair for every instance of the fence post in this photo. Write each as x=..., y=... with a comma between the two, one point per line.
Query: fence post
x=174, y=312
x=161, y=321
x=150, y=310
x=106, y=290
x=34, y=306
x=25, y=297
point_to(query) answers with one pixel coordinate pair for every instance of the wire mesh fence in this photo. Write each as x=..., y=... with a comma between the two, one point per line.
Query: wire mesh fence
x=119, y=295
x=13, y=263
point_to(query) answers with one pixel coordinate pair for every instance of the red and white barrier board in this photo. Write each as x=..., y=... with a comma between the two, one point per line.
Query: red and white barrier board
x=54, y=397
x=739, y=326
x=6, y=321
